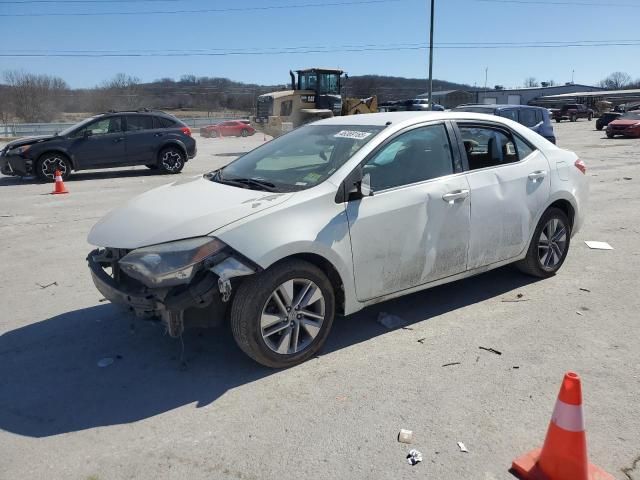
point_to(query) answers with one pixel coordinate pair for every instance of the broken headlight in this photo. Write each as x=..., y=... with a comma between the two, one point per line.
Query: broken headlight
x=169, y=264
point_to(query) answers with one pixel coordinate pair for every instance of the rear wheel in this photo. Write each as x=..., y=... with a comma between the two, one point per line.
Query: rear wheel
x=282, y=316
x=549, y=245
x=590, y=117
x=213, y=134
x=574, y=118
x=610, y=135
x=50, y=162
x=171, y=160
x=598, y=126
x=244, y=132
x=558, y=120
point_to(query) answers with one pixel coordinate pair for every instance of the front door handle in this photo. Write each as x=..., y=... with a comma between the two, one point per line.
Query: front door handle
x=455, y=195
x=537, y=175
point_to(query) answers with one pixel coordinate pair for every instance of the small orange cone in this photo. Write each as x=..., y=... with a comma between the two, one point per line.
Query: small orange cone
x=59, y=186
x=564, y=453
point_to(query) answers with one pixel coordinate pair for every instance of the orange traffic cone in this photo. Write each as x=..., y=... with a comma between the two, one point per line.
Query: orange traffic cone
x=564, y=453
x=59, y=186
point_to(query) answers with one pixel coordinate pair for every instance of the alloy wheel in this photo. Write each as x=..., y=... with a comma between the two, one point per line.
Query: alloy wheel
x=51, y=164
x=552, y=244
x=292, y=317
x=172, y=161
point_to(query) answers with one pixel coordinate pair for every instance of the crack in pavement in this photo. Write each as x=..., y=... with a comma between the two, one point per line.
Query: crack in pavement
x=628, y=470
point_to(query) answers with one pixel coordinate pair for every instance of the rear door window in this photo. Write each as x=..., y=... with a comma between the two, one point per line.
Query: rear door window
x=136, y=123
x=511, y=114
x=528, y=117
x=487, y=146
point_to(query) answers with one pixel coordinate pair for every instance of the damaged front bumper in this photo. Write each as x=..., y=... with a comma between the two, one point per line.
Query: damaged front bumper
x=202, y=302
x=15, y=165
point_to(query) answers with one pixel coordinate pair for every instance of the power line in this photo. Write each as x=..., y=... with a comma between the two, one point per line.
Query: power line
x=206, y=10
x=104, y=2
x=563, y=4
x=125, y=54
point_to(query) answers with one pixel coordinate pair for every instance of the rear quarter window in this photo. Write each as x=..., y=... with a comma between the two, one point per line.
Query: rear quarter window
x=162, y=122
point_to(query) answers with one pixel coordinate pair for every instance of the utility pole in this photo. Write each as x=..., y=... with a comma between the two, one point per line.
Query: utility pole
x=431, y=58
x=486, y=77
x=573, y=73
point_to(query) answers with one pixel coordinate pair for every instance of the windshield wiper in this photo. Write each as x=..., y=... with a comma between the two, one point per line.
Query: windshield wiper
x=246, y=182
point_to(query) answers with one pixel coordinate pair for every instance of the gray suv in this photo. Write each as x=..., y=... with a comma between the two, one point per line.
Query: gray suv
x=114, y=139
x=536, y=118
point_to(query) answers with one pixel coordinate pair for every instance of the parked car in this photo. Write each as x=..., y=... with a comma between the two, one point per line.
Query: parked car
x=422, y=105
x=536, y=118
x=628, y=125
x=573, y=112
x=115, y=139
x=232, y=128
x=337, y=215
x=606, y=118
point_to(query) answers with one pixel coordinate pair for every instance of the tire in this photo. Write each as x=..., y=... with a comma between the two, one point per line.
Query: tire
x=610, y=135
x=171, y=160
x=537, y=262
x=244, y=132
x=574, y=118
x=558, y=120
x=598, y=126
x=259, y=295
x=590, y=117
x=48, y=163
x=213, y=134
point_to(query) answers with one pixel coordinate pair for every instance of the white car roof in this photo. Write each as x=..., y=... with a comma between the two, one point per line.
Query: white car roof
x=383, y=118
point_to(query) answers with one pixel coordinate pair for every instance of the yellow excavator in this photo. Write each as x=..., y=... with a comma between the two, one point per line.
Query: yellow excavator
x=314, y=94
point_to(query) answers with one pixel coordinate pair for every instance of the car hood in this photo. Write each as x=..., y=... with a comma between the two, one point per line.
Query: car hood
x=28, y=141
x=624, y=123
x=184, y=209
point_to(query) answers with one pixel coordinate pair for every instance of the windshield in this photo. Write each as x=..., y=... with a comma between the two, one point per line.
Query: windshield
x=298, y=160
x=70, y=129
x=631, y=116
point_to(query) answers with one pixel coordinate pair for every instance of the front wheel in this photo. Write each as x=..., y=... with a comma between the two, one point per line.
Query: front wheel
x=598, y=126
x=574, y=118
x=282, y=316
x=590, y=117
x=610, y=135
x=558, y=120
x=49, y=163
x=549, y=245
x=244, y=132
x=171, y=160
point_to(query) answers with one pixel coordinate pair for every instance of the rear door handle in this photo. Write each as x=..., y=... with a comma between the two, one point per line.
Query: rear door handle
x=537, y=175
x=455, y=195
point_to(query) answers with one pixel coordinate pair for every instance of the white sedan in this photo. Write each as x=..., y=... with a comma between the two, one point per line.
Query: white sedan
x=337, y=215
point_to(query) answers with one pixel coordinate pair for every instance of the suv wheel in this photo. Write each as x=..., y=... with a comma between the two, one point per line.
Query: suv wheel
x=574, y=118
x=171, y=160
x=282, y=316
x=549, y=245
x=50, y=162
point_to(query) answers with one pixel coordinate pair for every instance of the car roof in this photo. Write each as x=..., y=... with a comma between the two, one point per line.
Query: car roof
x=497, y=106
x=393, y=118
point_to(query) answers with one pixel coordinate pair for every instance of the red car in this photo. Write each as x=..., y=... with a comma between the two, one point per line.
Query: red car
x=232, y=128
x=628, y=125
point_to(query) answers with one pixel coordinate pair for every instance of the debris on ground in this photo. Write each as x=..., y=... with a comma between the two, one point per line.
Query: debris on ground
x=47, y=285
x=520, y=295
x=105, y=362
x=102, y=300
x=391, y=321
x=6, y=216
x=421, y=340
x=517, y=299
x=598, y=245
x=462, y=447
x=628, y=178
x=414, y=457
x=450, y=364
x=405, y=436
x=585, y=289
x=516, y=367
x=492, y=350
x=579, y=312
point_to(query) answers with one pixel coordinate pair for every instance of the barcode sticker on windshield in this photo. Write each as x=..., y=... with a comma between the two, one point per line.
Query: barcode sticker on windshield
x=352, y=134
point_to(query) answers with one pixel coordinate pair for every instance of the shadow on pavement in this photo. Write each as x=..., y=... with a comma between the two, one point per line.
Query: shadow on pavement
x=50, y=382
x=87, y=175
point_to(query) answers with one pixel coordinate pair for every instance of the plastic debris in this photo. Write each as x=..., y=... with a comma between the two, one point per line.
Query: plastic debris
x=105, y=362
x=598, y=245
x=414, y=457
x=516, y=367
x=421, y=340
x=462, y=447
x=585, y=289
x=391, y=321
x=628, y=178
x=450, y=364
x=492, y=350
x=47, y=285
x=405, y=436
x=578, y=312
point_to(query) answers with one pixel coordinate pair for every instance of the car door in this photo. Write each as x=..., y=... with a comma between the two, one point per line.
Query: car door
x=99, y=144
x=228, y=129
x=142, y=139
x=510, y=184
x=415, y=227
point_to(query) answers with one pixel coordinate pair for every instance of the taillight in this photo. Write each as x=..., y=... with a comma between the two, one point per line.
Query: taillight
x=579, y=164
x=186, y=131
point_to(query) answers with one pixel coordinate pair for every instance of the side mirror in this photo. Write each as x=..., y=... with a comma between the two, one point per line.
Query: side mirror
x=365, y=186
x=356, y=186
x=87, y=133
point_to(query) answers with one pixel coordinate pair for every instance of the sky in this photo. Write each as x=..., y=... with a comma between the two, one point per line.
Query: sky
x=259, y=41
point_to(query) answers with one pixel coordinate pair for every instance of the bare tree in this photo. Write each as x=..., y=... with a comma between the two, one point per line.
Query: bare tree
x=531, y=82
x=616, y=81
x=36, y=98
x=6, y=104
